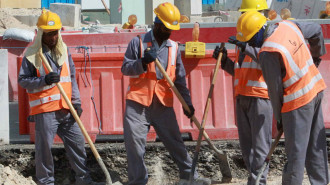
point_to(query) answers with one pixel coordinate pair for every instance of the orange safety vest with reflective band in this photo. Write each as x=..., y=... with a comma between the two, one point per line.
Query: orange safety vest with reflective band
x=48, y=98
x=302, y=81
x=143, y=87
x=248, y=78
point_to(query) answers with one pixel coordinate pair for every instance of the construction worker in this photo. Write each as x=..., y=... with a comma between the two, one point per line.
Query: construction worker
x=149, y=99
x=295, y=89
x=254, y=112
x=47, y=107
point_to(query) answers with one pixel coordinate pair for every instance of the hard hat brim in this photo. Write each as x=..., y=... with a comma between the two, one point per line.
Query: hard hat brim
x=172, y=27
x=49, y=30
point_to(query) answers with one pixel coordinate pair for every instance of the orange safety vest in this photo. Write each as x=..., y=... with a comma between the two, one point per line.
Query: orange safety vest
x=48, y=98
x=302, y=81
x=248, y=78
x=142, y=88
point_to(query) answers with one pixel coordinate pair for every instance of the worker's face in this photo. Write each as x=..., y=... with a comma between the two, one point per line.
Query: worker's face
x=50, y=39
x=161, y=32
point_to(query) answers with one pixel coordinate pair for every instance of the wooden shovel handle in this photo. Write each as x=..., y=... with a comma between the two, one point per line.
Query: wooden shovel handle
x=72, y=110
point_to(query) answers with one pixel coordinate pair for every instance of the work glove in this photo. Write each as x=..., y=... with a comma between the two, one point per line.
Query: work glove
x=78, y=109
x=241, y=45
x=192, y=111
x=279, y=125
x=52, y=77
x=216, y=53
x=317, y=61
x=150, y=55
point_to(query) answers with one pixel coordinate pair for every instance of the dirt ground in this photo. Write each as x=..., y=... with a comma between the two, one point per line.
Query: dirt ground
x=162, y=170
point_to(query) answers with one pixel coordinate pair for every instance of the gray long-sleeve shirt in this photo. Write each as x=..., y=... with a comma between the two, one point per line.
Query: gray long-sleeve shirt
x=28, y=78
x=273, y=67
x=132, y=64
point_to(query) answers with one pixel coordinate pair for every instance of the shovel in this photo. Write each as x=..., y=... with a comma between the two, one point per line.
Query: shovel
x=224, y=165
x=272, y=149
x=206, y=110
x=82, y=128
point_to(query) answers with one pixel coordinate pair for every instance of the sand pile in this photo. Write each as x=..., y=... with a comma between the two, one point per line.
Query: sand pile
x=10, y=176
x=8, y=20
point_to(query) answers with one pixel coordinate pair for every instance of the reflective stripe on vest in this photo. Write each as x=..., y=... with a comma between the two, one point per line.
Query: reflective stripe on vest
x=303, y=80
x=45, y=100
x=304, y=90
x=298, y=72
x=48, y=98
x=248, y=78
x=143, y=88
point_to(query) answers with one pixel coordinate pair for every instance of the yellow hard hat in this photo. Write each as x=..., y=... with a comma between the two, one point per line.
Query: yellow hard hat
x=248, y=5
x=49, y=21
x=248, y=25
x=169, y=14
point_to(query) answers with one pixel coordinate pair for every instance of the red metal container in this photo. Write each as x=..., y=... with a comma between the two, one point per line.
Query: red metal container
x=104, y=85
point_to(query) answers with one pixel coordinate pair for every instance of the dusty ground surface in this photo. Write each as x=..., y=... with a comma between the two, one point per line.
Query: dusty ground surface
x=162, y=170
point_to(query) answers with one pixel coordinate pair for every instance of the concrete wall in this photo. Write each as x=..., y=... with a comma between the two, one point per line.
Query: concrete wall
x=4, y=101
x=93, y=4
x=30, y=20
x=115, y=15
x=300, y=9
x=190, y=8
x=134, y=7
x=70, y=14
x=93, y=15
x=150, y=5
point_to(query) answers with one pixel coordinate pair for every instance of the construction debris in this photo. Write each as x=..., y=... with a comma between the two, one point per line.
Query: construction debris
x=8, y=20
x=10, y=176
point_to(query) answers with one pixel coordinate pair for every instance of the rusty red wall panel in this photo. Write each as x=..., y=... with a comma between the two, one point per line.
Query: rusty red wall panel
x=15, y=48
x=117, y=43
x=207, y=35
x=23, y=106
x=110, y=85
x=110, y=89
x=324, y=69
x=326, y=30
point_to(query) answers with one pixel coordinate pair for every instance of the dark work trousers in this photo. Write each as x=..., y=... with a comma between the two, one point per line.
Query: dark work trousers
x=254, y=122
x=137, y=121
x=305, y=144
x=47, y=126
